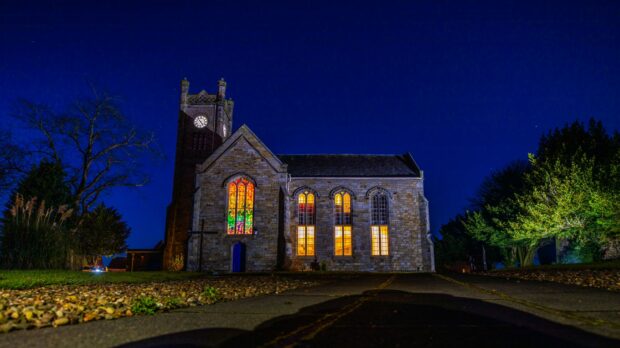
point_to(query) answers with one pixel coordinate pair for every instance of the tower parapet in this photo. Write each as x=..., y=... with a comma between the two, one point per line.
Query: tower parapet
x=205, y=121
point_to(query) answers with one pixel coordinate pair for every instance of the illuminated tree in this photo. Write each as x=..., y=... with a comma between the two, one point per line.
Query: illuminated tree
x=495, y=206
x=569, y=191
x=568, y=202
x=573, y=189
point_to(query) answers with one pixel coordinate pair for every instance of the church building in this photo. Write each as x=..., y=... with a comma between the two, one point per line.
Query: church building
x=237, y=206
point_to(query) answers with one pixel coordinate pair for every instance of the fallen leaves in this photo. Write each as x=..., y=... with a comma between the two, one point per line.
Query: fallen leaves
x=596, y=278
x=69, y=304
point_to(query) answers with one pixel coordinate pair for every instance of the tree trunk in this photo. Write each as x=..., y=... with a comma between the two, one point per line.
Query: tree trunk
x=484, y=258
x=526, y=254
x=510, y=256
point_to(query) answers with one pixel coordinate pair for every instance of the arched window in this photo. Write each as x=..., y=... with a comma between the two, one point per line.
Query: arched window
x=379, y=224
x=342, y=224
x=305, y=224
x=240, y=206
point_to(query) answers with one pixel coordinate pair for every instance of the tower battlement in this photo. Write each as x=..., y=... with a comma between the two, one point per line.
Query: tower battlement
x=205, y=121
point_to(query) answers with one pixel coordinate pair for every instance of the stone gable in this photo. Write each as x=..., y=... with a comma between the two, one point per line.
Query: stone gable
x=210, y=208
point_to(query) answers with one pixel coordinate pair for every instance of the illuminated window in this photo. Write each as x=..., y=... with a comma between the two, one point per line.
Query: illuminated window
x=305, y=224
x=240, y=207
x=342, y=228
x=379, y=240
x=379, y=224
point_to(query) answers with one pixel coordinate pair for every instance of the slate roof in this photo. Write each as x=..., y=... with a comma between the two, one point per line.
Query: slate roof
x=351, y=165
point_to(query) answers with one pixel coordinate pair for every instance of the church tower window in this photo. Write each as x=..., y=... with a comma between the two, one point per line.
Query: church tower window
x=240, y=206
x=379, y=224
x=306, y=224
x=342, y=228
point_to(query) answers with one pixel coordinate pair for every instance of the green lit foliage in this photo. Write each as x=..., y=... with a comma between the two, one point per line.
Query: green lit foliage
x=568, y=202
x=573, y=189
x=495, y=207
x=144, y=305
x=569, y=191
x=211, y=294
x=173, y=302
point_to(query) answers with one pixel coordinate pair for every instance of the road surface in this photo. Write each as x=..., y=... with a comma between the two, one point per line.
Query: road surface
x=369, y=310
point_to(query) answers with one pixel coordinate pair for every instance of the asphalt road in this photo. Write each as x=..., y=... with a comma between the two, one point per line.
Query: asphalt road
x=372, y=310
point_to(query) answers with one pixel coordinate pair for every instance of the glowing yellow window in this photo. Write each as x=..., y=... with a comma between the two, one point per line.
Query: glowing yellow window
x=301, y=240
x=305, y=224
x=379, y=240
x=342, y=241
x=342, y=228
x=305, y=240
x=310, y=241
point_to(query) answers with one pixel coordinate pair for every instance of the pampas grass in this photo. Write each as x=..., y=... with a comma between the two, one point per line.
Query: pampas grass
x=35, y=236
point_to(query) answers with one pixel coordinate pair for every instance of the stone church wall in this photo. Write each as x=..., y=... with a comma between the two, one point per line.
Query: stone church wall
x=210, y=206
x=409, y=249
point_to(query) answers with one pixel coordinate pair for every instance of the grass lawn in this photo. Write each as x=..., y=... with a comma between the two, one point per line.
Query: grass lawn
x=10, y=279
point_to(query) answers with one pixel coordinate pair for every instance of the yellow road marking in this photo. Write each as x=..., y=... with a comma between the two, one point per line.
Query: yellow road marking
x=328, y=319
x=504, y=296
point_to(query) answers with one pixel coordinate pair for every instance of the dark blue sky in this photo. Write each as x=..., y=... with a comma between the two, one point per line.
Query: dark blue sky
x=465, y=86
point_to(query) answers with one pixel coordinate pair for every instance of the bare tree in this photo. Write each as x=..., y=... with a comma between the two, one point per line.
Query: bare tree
x=93, y=140
x=11, y=161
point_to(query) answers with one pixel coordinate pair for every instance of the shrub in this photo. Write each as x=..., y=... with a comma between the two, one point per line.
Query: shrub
x=173, y=302
x=211, y=294
x=177, y=264
x=144, y=305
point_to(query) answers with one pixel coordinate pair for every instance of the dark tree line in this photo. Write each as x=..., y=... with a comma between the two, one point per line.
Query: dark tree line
x=54, y=217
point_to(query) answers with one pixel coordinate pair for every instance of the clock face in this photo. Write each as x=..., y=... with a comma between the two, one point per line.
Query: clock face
x=200, y=121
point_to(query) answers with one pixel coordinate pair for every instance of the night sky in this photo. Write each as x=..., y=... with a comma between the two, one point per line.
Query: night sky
x=465, y=86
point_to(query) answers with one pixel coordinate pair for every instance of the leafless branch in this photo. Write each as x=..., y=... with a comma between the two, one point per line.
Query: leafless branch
x=94, y=141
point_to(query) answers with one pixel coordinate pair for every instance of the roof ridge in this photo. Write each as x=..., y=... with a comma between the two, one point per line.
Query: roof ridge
x=350, y=165
x=338, y=154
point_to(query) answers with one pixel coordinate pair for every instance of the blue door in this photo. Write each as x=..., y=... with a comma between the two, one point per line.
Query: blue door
x=238, y=257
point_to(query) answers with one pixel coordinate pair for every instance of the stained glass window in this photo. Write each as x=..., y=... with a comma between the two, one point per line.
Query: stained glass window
x=379, y=224
x=342, y=228
x=305, y=224
x=240, y=207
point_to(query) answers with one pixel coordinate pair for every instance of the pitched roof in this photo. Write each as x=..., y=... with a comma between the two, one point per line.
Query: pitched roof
x=351, y=165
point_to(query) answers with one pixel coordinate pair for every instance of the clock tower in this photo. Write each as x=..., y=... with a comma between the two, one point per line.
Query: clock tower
x=205, y=121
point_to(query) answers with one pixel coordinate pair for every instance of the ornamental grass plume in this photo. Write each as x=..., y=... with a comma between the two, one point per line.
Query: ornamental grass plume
x=34, y=235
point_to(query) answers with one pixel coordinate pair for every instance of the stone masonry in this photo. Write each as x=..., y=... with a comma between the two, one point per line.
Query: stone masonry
x=278, y=180
x=246, y=157
x=407, y=224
